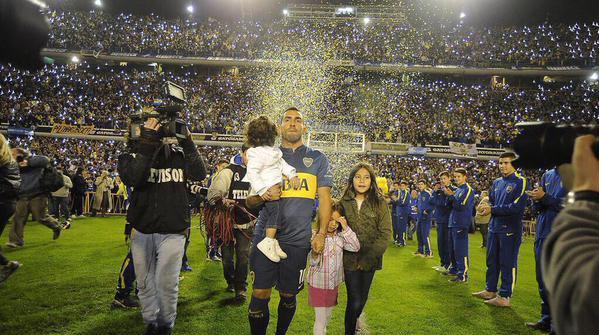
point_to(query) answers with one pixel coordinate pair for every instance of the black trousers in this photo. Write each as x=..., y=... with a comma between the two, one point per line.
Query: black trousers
x=6, y=211
x=78, y=203
x=484, y=230
x=358, y=285
x=235, y=259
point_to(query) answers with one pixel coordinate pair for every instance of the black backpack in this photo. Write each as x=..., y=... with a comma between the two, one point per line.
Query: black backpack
x=51, y=180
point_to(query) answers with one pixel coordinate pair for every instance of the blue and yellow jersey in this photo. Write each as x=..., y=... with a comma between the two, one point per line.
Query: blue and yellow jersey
x=551, y=204
x=508, y=200
x=295, y=210
x=462, y=205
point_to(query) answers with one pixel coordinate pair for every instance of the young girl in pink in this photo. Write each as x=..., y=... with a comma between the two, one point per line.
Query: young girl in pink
x=326, y=269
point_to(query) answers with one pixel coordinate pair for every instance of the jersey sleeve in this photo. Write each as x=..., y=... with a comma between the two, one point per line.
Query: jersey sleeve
x=325, y=176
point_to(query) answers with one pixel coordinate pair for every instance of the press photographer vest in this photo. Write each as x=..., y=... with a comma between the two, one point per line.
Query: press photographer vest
x=239, y=191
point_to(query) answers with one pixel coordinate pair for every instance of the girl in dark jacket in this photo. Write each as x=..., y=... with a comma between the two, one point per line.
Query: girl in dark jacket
x=10, y=181
x=368, y=215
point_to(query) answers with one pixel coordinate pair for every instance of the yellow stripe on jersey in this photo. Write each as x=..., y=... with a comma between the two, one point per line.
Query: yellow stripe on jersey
x=467, y=195
x=523, y=187
x=307, y=189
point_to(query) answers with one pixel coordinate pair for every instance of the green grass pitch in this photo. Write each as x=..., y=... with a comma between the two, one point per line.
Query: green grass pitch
x=66, y=286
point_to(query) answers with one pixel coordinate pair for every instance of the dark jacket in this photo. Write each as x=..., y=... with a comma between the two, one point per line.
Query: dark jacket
x=440, y=202
x=372, y=225
x=79, y=184
x=31, y=176
x=159, y=203
x=10, y=182
x=571, y=268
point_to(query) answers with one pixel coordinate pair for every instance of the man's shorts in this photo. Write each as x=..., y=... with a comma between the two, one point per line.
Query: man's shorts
x=287, y=275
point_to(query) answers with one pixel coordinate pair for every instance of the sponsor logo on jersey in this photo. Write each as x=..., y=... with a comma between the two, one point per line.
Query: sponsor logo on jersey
x=307, y=188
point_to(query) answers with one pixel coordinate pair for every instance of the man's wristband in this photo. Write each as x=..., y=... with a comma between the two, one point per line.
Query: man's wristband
x=586, y=196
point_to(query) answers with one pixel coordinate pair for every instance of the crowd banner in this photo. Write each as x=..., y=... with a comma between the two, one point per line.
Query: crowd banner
x=89, y=132
x=445, y=151
x=417, y=151
x=463, y=149
x=387, y=147
x=62, y=128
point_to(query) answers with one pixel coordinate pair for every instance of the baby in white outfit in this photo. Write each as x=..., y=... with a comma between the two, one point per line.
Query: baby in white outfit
x=266, y=168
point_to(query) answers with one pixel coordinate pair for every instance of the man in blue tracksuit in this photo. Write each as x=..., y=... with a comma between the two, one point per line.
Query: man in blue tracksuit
x=548, y=200
x=423, y=229
x=507, y=200
x=401, y=207
x=413, y=218
x=442, y=207
x=462, y=204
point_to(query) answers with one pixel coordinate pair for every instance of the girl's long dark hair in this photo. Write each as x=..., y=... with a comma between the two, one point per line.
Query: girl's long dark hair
x=374, y=196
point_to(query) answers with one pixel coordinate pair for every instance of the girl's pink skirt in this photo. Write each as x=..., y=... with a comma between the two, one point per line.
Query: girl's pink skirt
x=318, y=297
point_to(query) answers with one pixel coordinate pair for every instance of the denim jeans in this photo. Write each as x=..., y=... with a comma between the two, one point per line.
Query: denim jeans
x=60, y=205
x=157, y=260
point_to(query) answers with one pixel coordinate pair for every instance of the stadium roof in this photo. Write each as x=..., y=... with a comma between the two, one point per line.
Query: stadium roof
x=493, y=12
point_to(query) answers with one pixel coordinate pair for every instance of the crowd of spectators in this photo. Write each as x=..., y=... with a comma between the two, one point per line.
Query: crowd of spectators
x=385, y=108
x=411, y=41
x=94, y=156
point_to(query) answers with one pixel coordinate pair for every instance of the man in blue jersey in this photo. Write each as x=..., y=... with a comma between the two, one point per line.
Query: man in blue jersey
x=295, y=231
x=413, y=218
x=442, y=210
x=423, y=228
x=507, y=199
x=401, y=211
x=462, y=203
x=548, y=199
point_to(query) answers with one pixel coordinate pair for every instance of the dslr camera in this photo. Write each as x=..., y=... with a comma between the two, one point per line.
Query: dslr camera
x=543, y=145
x=166, y=113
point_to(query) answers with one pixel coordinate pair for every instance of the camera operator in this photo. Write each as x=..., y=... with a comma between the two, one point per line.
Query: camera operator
x=159, y=213
x=570, y=264
x=32, y=197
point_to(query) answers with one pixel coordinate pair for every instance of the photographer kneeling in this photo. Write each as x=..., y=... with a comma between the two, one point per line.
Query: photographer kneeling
x=571, y=255
x=158, y=169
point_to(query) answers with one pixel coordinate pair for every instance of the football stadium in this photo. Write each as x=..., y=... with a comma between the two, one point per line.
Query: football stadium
x=299, y=167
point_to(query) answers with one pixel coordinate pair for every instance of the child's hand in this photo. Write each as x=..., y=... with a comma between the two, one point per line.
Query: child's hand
x=343, y=222
x=295, y=182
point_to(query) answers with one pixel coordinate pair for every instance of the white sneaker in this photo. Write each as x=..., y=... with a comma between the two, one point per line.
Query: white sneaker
x=279, y=251
x=268, y=248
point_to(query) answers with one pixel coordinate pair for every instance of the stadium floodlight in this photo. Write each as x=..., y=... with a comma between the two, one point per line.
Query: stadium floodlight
x=462, y=15
x=366, y=20
x=594, y=76
x=98, y=3
x=286, y=12
x=190, y=9
x=75, y=59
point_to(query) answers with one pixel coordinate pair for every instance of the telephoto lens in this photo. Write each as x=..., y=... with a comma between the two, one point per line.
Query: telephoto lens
x=543, y=145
